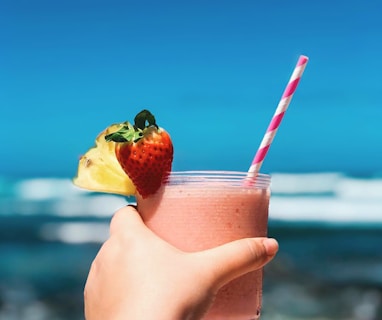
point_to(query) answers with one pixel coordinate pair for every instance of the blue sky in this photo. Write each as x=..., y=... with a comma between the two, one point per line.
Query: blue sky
x=211, y=71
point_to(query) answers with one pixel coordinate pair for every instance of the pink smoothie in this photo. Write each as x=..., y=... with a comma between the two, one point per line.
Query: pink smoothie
x=198, y=216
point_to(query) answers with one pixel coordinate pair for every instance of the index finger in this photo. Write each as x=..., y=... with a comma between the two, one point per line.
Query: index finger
x=126, y=218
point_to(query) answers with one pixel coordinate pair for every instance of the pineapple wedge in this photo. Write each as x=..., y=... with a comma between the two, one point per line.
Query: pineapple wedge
x=99, y=169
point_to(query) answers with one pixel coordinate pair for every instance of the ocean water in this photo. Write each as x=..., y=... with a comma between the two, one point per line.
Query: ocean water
x=329, y=226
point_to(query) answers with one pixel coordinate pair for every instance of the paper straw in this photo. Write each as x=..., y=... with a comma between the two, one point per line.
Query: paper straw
x=278, y=116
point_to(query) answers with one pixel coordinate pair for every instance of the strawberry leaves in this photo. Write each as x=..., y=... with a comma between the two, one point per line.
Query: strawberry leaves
x=129, y=133
x=143, y=117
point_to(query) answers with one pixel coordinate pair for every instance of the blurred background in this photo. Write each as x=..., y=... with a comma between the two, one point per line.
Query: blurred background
x=212, y=72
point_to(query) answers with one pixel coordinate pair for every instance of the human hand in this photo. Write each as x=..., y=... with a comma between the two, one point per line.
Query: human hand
x=137, y=275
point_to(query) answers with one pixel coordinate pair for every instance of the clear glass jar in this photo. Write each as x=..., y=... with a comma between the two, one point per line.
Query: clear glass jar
x=198, y=210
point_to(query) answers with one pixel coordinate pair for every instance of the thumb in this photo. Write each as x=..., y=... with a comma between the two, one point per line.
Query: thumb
x=231, y=260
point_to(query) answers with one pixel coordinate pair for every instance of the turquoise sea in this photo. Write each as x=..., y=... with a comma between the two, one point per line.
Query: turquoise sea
x=329, y=226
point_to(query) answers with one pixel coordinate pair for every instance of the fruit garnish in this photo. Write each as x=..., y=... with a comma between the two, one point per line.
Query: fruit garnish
x=144, y=151
x=127, y=158
x=99, y=169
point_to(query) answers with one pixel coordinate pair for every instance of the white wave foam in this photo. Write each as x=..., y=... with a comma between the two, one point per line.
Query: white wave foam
x=93, y=206
x=75, y=233
x=336, y=184
x=329, y=209
x=100, y=206
x=288, y=183
x=282, y=183
x=310, y=197
x=367, y=189
x=46, y=189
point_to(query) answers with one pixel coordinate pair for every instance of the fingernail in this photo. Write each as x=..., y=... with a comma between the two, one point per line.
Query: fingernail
x=271, y=246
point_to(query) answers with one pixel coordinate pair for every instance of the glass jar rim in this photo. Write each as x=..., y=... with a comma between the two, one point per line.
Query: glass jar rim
x=233, y=178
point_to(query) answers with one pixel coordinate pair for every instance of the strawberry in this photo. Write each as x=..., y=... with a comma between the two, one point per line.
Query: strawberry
x=144, y=151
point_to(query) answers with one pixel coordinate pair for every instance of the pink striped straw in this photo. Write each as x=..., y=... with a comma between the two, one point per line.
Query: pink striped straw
x=278, y=116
